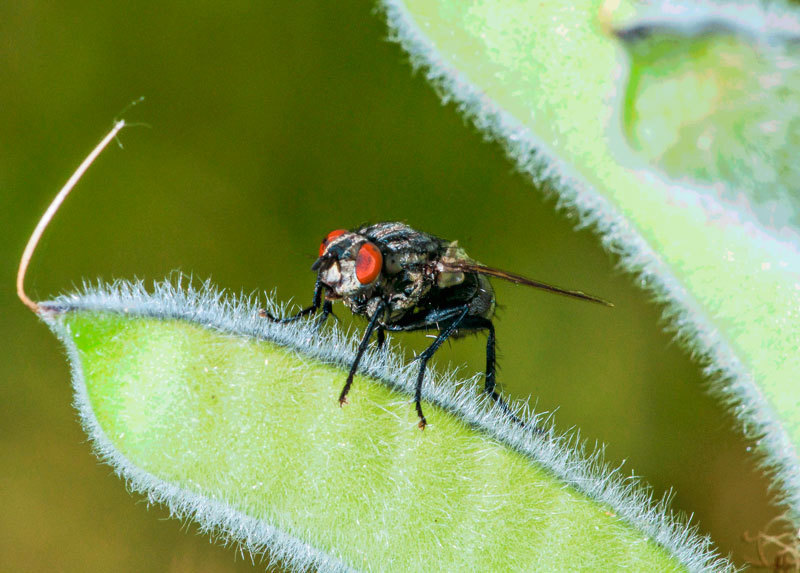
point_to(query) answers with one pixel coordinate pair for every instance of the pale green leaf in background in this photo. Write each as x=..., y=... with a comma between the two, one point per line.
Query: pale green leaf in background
x=719, y=105
x=644, y=135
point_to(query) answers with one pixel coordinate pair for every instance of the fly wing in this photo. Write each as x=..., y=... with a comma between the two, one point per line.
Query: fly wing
x=467, y=266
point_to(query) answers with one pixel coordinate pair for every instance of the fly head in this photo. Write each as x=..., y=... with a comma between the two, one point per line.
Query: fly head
x=349, y=265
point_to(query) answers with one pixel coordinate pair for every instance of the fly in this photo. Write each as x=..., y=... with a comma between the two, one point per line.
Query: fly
x=402, y=279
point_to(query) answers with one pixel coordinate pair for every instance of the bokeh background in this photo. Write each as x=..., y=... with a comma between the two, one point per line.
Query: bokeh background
x=265, y=126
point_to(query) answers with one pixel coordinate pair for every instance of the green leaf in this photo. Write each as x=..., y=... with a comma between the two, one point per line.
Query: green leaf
x=718, y=104
x=595, y=117
x=232, y=420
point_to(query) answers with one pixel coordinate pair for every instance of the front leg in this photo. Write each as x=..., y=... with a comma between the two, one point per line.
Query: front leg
x=327, y=310
x=319, y=287
x=362, y=347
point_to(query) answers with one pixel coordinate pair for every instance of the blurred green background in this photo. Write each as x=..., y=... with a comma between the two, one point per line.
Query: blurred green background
x=268, y=125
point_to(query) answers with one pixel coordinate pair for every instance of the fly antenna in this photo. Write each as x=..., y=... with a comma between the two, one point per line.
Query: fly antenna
x=51, y=211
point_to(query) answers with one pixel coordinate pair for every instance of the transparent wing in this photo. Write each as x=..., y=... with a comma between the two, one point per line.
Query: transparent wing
x=473, y=267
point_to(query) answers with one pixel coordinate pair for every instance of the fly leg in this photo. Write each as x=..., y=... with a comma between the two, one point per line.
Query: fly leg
x=481, y=323
x=362, y=347
x=425, y=356
x=327, y=310
x=315, y=304
x=446, y=321
x=381, y=337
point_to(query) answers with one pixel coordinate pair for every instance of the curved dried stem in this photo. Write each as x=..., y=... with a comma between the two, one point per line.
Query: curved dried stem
x=777, y=546
x=51, y=211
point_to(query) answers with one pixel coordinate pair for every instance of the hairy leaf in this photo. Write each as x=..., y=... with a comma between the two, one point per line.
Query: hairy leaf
x=232, y=419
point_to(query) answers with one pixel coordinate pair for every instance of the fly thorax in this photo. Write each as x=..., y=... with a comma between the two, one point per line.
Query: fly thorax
x=406, y=288
x=372, y=306
x=395, y=263
x=357, y=305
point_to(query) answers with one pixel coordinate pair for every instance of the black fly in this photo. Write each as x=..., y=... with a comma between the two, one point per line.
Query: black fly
x=405, y=280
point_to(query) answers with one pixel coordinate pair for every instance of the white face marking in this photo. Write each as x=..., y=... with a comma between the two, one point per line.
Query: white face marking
x=332, y=275
x=340, y=276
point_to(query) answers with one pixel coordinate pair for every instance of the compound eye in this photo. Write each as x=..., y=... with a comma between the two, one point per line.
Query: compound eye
x=368, y=263
x=331, y=236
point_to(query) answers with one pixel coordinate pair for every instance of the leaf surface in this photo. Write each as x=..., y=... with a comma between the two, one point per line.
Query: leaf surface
x=232, y=420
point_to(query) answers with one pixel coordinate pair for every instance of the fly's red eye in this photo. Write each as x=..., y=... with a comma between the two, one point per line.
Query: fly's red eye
x=368, y=263
x=332, y=235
